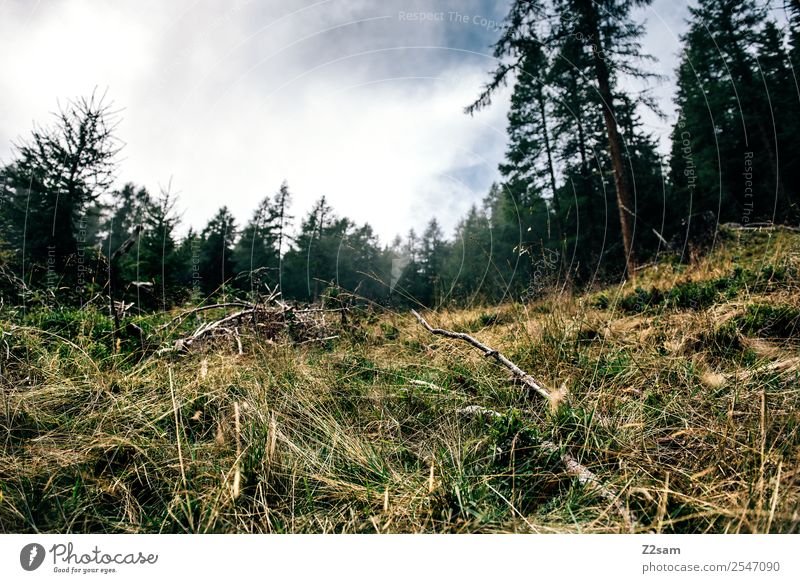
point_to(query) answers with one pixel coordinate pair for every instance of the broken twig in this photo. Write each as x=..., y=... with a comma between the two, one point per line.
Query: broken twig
x=518, y=373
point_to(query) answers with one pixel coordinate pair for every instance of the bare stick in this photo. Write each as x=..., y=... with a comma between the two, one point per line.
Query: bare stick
x=572, y=466
x=237, y=477
x=590, y=480
x=760, y=226
x=518, y=373
x=183, y=343
x=202, y=309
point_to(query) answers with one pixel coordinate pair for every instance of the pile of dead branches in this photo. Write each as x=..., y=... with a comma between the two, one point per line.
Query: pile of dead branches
x=270, y=319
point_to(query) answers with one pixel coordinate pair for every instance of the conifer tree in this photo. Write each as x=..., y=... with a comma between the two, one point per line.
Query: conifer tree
x=729, y=154
x=609, y=40
x=432, y=257
x=216, y=252
x=256, y=253
x=51, y=187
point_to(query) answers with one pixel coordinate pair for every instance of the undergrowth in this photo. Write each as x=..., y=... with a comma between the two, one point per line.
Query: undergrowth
x=681, y=392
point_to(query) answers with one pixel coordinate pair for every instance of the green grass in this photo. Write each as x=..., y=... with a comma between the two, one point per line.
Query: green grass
x=682, y=395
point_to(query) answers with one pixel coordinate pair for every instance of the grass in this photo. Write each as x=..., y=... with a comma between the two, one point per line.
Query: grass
x=684, y=396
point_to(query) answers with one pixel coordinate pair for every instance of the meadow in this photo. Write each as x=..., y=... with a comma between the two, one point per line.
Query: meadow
x=678, y=390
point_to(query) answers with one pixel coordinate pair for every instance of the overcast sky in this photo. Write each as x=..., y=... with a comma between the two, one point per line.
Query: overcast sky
x=358, y=100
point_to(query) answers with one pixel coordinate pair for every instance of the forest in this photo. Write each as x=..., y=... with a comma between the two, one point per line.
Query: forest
x=586, y=197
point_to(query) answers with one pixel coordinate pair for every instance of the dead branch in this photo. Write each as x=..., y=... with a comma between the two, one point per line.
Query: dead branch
x=206, y=329
x=760, y=226
x=572, y=466
x=269, y=319
x=518, y=373
x=187, y=313
x=590, y=480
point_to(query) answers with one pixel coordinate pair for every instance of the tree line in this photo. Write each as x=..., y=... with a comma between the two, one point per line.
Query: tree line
x=585, y=195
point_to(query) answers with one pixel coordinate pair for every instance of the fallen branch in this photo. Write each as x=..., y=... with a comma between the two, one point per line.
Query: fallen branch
x=269, y=319
x=765, y=226
x=518, y=373
x=205, y=329
x=573, y=468
x=590, y=480
x=187, y=313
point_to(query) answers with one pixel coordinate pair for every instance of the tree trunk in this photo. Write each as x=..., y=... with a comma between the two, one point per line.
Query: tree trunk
x=624, y=198
x=585, y=178
x=545, y=133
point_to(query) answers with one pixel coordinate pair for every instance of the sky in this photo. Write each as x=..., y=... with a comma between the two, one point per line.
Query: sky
x=357, y=100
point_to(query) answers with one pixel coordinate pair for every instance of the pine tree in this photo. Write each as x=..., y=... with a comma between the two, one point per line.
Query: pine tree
x=311, y=261
x=528, y=169
x=432, y=261
x=729, y=155
x=50, y=190
x=361, y=266
x=410, y=287
x=579, y=135
x=471, y=259
x=256, y=254
x=126, y=213
x=612, y=40
x=519, y=228
x=282, y=202
x=781, y=117
x=216, y=252
x=157, y=259
x=609, y=42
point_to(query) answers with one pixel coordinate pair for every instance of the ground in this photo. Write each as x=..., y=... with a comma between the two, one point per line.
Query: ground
x=678, y=390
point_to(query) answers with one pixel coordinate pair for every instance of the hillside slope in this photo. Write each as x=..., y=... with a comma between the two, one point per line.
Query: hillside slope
x=680, y=392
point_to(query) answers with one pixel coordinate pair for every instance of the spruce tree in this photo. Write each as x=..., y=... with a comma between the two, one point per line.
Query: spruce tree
x=609, y=44
x=732, y=145
x=51, y=187
x=157, y=259
x=432, y=260
x=256, y=252
x=215, y=262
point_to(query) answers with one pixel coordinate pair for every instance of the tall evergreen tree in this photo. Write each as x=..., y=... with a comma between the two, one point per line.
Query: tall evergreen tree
x=432, y=257
x=529, y=170
x=256, y=254
x=410, y=287
x=471, y=259
x=729, y=155
x=579, y=134
x=283, y=200
x=610, y=40
x=157, y=258
x=51, y=187
x=311, y=261
x=215, y=261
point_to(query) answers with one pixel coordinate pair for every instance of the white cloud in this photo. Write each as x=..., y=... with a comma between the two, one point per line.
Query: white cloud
x=230, y=100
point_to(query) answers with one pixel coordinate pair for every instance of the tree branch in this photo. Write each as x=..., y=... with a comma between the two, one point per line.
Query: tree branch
x=518, y=373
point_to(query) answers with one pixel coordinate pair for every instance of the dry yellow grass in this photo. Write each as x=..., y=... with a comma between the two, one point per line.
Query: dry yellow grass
x=691, y=413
